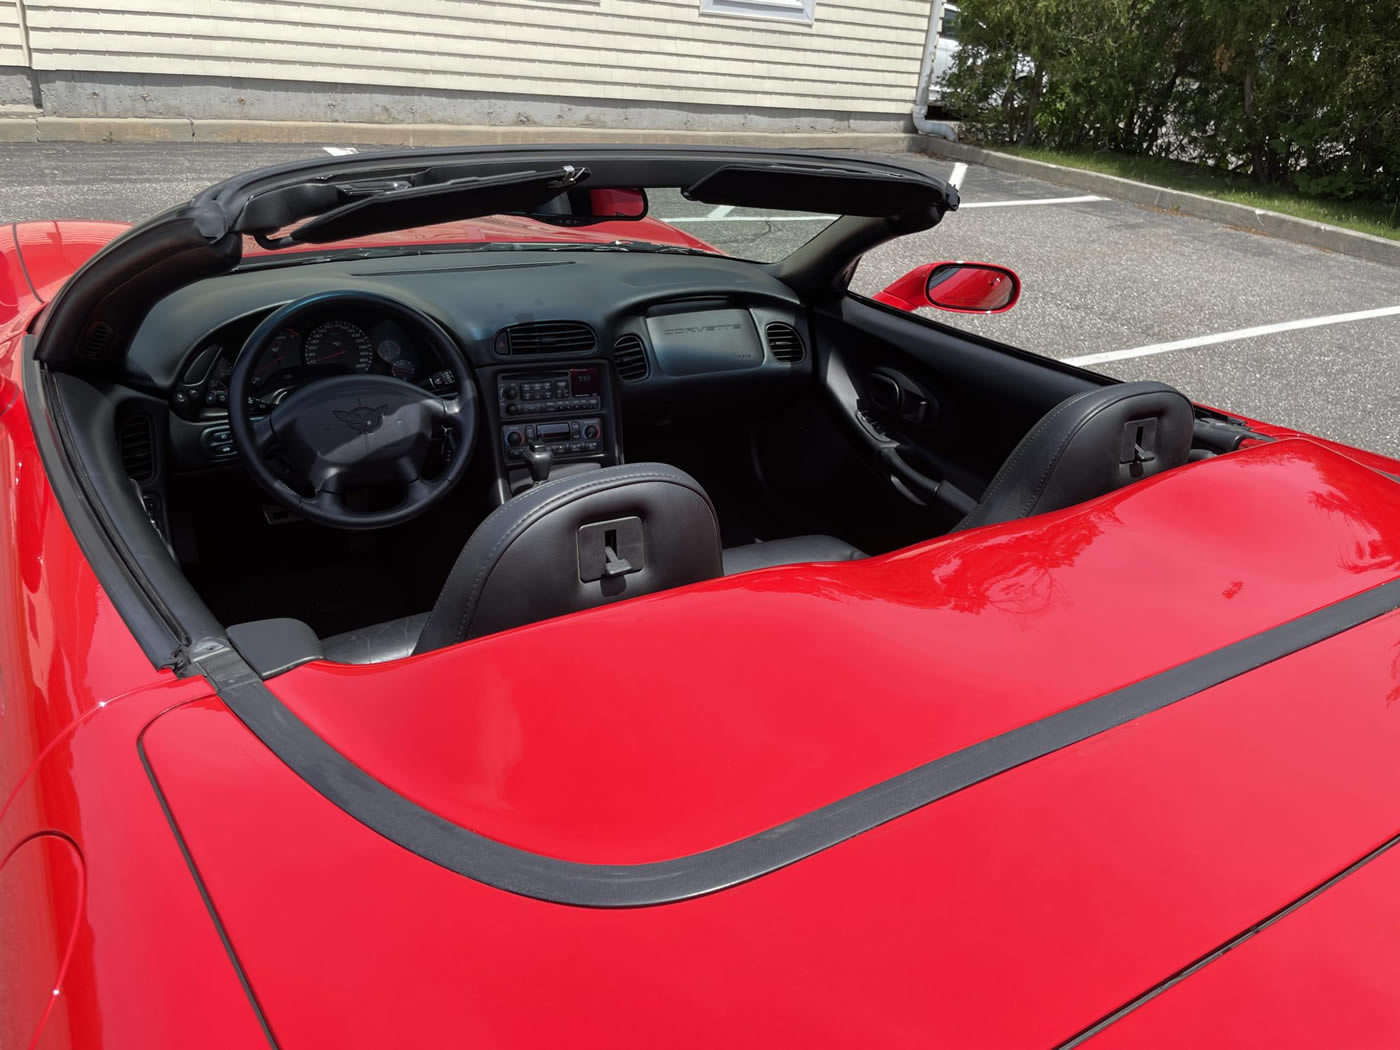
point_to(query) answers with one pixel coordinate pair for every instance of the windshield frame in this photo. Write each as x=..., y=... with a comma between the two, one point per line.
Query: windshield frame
x=88, y=327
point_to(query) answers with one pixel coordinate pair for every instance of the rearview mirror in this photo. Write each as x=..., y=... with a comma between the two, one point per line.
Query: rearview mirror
x=961, y=287
x=583, y=207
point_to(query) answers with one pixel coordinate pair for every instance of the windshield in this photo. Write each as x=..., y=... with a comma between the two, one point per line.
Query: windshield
x=672, y=223
x=759, y=234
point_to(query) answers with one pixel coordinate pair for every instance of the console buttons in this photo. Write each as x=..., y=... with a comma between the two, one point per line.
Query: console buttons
x=533, y=403
x=871, y=425
x=510, y=393
x=514, y=438
x=590, y=431
x=218, y=441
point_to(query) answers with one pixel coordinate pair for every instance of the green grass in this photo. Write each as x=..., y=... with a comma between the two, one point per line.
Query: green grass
x=1365, y=216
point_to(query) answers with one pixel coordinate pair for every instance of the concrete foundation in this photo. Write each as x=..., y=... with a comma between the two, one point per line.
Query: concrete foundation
x=84, y=94
x=17, y=87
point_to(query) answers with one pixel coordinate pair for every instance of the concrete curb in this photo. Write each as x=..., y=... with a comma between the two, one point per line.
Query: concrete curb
x=144, y=129
x=1285, y=227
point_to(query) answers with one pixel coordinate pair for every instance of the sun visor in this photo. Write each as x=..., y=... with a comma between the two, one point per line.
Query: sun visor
x=827, y=190
x=464, y=198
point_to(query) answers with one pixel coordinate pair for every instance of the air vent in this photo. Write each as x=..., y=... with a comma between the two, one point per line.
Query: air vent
x=99, y=338
x=546, y=337
x=137, y=447
x=784, y=342
x=630, y=358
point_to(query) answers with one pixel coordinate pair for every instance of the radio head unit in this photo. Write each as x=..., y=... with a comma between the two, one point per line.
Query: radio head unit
x=544, y=392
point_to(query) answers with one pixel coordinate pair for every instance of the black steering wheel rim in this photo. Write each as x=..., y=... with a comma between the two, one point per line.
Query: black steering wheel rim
x=354, y=401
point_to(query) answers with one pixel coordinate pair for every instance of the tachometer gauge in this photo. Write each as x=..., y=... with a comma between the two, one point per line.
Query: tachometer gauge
x=282, y=353
x=339, y=344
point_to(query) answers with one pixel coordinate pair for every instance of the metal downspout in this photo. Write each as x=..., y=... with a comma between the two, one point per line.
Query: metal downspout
x=922, y=124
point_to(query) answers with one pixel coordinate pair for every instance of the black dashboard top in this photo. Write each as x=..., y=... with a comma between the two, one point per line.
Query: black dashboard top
x=476, y=295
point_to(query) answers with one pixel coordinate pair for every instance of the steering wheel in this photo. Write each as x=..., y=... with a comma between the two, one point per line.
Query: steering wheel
x=342, y=432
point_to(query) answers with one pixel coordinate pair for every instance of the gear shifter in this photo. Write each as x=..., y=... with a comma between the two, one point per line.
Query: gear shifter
x=539, y=459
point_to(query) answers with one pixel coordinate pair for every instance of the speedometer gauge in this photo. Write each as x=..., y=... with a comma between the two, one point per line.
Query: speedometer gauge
x=339, y=344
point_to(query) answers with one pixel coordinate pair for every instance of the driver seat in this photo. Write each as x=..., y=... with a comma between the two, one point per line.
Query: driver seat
x=575, y=543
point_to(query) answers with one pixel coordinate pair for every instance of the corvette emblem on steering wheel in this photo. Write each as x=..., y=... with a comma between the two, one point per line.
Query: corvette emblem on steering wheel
x=362, y=420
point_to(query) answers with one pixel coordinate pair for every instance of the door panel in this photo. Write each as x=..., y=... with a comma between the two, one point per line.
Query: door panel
x=947, y=405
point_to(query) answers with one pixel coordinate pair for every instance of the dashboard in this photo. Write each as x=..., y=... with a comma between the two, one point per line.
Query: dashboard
x=558, y=342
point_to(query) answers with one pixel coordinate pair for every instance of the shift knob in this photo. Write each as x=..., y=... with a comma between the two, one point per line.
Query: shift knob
x=539, y=459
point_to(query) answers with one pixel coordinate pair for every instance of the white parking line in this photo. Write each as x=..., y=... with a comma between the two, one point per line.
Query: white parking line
x=955, y=179
x=751, y=218
x=719, y=214
x=1025, y=204
x=340, y=151
x=1230, y=337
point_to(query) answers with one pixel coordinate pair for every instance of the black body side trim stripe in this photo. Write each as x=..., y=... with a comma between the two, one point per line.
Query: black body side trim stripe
x=619, y=886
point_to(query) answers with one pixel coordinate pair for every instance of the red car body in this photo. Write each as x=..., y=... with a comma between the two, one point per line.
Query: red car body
x=1211, y=871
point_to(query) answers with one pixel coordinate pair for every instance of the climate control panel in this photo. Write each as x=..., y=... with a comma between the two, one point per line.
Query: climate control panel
x=563, y=437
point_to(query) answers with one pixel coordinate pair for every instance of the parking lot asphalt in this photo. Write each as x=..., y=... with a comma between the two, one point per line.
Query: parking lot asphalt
x=1102, y=279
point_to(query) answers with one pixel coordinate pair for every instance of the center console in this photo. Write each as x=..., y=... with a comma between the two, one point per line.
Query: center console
x=566, y=409
x=555, y=409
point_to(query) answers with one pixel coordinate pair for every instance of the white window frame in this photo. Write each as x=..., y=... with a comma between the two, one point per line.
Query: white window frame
x=802, y=11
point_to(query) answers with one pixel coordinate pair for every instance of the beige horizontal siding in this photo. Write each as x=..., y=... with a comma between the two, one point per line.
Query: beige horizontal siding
x=11, y=42
x=861, y=57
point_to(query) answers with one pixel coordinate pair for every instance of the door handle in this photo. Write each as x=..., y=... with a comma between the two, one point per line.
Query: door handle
x=925, y=487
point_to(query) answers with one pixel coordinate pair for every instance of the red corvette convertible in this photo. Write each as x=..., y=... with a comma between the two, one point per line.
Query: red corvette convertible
x=445, y=605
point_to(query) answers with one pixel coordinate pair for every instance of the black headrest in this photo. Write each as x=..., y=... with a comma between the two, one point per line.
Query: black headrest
x=574, y=543
x=1087, y=445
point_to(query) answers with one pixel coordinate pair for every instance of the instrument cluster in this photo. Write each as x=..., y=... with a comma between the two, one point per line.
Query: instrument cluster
x=326, y=345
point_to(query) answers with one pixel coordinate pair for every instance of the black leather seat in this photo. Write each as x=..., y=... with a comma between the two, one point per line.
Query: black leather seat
x=572, y=544
x=788, y=551
x=1087, y=445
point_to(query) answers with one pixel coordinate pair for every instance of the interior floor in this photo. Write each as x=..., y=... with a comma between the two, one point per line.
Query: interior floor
x=334, y=580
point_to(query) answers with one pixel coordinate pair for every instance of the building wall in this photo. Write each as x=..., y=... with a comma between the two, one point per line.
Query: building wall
x=11, y=41
x=658, y=63
x=15, y=83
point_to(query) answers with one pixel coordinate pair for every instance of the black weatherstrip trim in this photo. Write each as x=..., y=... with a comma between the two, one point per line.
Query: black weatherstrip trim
x=633, y=885
x=203, y=890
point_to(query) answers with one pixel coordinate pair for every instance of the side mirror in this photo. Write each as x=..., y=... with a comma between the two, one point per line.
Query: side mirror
x=961, y=287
